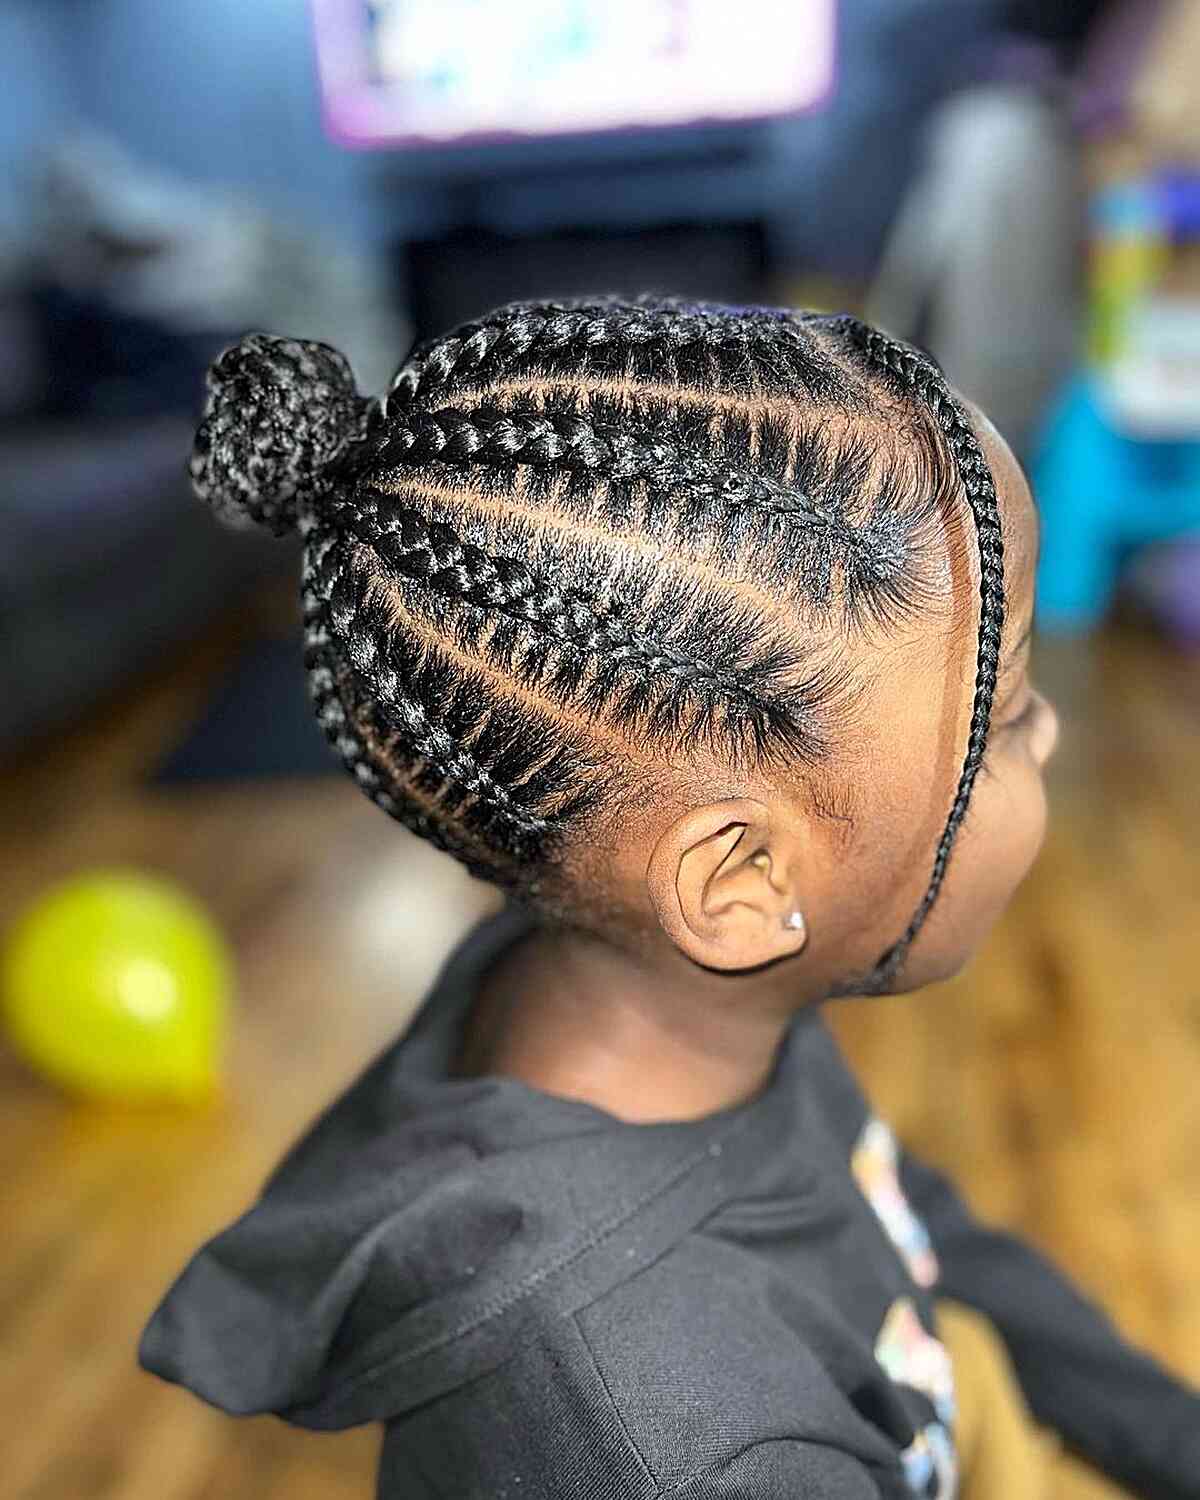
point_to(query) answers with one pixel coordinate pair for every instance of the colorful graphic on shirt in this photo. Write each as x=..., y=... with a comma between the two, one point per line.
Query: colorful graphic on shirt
x=908, y=1354
x=911, y=1356
x=875, y=1167
x=929, y=1464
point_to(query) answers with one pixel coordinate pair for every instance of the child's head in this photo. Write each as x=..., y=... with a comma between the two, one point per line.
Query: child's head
x=674, y=620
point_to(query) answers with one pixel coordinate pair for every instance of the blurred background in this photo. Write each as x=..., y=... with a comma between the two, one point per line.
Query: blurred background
x=1016, y=186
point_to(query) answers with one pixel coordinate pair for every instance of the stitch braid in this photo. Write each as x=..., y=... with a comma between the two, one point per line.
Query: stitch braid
x=552, y=331
x=516, y=331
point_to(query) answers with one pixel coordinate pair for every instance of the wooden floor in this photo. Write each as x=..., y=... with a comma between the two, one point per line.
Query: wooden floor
x=1058, y=1079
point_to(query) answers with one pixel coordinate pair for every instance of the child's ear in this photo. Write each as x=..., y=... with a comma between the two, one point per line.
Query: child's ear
x=722, y=880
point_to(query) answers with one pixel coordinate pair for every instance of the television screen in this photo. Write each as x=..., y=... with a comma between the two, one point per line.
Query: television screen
x=439, y=72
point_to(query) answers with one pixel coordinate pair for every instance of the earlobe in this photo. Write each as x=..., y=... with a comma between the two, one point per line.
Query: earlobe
x=721, y=882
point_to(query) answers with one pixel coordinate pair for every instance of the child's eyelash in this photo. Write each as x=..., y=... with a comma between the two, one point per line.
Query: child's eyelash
x=1025, y=716
x=1003, y=727
x=1017, y=722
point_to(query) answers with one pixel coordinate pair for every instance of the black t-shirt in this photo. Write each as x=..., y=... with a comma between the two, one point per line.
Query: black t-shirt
x=542, y=1301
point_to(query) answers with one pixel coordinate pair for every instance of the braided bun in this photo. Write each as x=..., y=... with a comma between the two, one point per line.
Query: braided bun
x=279, y=411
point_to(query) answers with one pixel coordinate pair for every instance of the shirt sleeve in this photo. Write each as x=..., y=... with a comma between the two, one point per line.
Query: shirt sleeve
x=781, y=1470
x=1115, y=1405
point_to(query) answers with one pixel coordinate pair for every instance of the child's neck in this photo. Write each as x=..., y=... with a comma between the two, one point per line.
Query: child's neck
x=646, y=1039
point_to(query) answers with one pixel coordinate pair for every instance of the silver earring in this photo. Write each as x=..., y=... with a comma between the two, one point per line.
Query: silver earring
x=794, y=921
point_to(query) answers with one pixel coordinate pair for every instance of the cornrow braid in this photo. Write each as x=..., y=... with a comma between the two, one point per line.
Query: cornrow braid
x=490, y=435
x=337, y=608
x=367, y=723
x=325, y=672
x=516, y=331
x=914, y=374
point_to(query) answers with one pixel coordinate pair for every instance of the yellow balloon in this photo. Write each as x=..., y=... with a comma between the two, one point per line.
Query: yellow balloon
x=118, y=984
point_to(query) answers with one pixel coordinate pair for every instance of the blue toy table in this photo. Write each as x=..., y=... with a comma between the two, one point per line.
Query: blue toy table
x=1102, y=496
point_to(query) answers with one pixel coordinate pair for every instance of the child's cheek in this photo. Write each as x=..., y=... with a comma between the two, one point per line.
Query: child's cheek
x=1042, y=809
x=1018, y=824
x=1000, y=843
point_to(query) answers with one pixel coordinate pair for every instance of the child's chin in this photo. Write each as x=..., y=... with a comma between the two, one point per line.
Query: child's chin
x=934, y=966
x=952, y=937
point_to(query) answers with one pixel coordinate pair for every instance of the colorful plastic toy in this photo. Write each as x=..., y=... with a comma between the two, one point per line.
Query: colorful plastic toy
x=1118, y=467
x=1103, y=496
x=117, y=984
